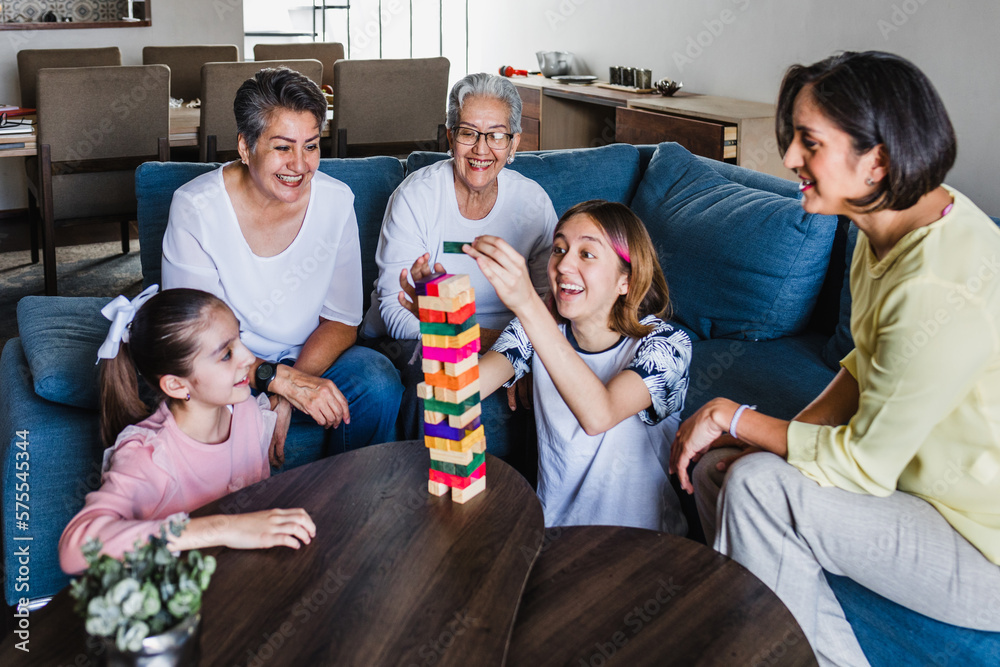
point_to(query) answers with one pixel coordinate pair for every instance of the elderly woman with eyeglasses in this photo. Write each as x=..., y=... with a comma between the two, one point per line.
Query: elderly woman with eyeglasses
x=277, y=240
x=457, y=200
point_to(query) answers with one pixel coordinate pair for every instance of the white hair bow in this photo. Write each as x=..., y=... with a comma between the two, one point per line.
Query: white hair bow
x=121, y=312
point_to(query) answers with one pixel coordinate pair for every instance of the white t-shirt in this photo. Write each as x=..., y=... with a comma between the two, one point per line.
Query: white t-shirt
x=423, y=213
x=617, y=478
x=278, y=300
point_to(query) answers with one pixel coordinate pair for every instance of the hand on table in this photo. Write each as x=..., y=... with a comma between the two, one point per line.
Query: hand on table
x=269, y=528
x=505, y=268
x=317, y=397
x=420, y=270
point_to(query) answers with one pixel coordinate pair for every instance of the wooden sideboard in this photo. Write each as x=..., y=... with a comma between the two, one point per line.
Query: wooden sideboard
x=556, y=116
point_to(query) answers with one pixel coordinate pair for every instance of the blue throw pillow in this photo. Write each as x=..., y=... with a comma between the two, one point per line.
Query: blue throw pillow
x=842, y=342
x=569, y=177
x=60, y=336
x=740, y=262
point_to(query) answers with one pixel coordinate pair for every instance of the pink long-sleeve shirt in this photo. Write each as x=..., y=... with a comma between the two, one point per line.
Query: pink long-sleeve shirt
x=155, y=471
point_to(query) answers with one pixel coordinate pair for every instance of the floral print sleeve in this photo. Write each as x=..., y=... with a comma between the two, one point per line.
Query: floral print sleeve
x=662, y=361
x=513, y=343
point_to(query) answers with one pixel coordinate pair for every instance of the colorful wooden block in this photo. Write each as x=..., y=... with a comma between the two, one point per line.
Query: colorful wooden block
x=425, y=391
x=456, y=395
x=421, y=285
x=431, y=367
x=427, y=315
x=451, y=355
x=454, y=285
x=454, y=481
x=451, y=408
x=452, y=381
x=437, y=488
x=458, y=468
x=457, y=458
x=460, y=367
x=462, y=496
x=466, y=418
x=453, y=247
x=462, y=314
x=443, y=430
x=443, y=329
x=463, y=445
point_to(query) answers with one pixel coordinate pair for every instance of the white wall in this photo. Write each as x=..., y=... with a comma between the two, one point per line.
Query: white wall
x=740, y=48
x=174, y=22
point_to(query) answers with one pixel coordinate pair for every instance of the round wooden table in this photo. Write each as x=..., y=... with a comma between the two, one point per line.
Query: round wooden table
x=395, y=576
x=602, y=595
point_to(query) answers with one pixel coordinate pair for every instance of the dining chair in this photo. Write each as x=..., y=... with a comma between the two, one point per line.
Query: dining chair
x=219, y=82
x=29, y=61
x=185, y=64
x=389, y=107
x=326, y=52
x=88, y=150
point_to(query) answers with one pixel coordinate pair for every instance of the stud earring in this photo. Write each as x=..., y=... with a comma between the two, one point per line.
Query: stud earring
x=510, y=159
x=188, y=397
x=869, y=182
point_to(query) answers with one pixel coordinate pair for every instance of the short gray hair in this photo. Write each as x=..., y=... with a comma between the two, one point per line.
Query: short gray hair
x=485, y=85
x=270, y=90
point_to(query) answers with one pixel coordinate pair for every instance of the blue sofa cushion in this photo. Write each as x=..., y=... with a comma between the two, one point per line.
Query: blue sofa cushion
x=569, y=177
x=60, y=337
x=771, y=255
x=372, y=180
x=891, y=634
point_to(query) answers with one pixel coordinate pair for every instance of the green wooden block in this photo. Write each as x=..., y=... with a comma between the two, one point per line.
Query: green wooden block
x=444, y=466
x=443, y=329
x=433, y=405
x=454, y=247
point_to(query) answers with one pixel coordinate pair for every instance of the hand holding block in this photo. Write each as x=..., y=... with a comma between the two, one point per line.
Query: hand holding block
x=453, y=247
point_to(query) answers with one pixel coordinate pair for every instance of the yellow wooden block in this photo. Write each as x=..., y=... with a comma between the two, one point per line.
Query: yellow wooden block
x=471, y=491
x=462, y=366
x=425, y=391
x=456, y=395
x=447, y=304
x=437, y=488
x=460, y=458
x=451, y=287
x=459, y=421
x=453, y=342
x=430, y=366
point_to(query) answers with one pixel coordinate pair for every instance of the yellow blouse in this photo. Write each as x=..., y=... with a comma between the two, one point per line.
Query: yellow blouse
x=925, y=322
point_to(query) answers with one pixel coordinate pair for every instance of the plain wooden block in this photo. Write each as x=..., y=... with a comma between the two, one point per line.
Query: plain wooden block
x=431, y=367
x=456, y=395
x=431, y=417
x=458, y=458
x=462, y=420
x=469, y=492
x=447, y=304
x=460, y=367
x=437, y=488
x=454, y=285
x=425, y=391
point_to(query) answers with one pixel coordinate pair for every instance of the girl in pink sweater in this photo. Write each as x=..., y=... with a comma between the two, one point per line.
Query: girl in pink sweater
x=207, y=438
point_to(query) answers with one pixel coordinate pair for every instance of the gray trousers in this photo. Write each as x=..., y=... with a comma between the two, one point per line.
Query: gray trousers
x=787, y=529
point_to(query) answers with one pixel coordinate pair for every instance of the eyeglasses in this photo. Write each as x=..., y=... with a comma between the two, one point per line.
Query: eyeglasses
x=496, y=140
x=5, y=122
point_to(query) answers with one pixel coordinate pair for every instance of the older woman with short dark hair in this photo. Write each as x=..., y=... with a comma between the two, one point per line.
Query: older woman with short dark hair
x=457, y=200
x=277, y=240
x=892, y=475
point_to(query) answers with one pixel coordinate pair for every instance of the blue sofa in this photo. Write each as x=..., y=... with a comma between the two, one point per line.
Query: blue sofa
x=759, y=285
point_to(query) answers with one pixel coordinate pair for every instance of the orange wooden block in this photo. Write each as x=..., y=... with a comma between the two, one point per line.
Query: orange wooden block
x=429, y=315
x=450, y=381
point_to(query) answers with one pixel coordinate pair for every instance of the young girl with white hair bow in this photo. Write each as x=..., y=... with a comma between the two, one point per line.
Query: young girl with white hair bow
x=207, y=438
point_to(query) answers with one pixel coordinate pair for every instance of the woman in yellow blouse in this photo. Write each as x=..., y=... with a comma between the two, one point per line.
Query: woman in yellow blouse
x=892, y=475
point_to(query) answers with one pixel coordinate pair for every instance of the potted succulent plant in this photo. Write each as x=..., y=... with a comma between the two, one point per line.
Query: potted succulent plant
x=144, y=607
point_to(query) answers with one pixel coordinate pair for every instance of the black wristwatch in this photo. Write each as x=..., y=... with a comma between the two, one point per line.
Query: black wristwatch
x=265, y=372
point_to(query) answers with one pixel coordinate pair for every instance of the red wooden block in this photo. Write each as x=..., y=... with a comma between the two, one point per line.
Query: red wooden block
x=455, y=481
x=432, y=285
x=462, y=314
x=427, y=315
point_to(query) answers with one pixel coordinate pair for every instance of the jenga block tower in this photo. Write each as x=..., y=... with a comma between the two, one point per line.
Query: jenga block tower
x=452, y=430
